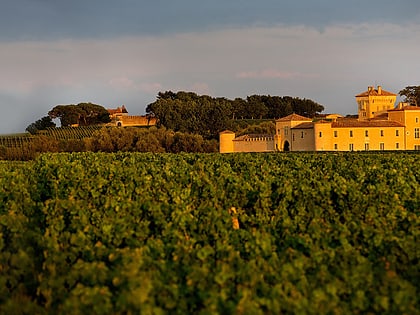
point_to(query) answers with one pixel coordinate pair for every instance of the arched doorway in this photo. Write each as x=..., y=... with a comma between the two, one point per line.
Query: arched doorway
x=286, y=146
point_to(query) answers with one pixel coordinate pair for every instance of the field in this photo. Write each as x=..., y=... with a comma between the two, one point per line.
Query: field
x=60, y=133
x=131, y=233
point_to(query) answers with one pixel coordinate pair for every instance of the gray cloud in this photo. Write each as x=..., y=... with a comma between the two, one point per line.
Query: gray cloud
x=47, y=19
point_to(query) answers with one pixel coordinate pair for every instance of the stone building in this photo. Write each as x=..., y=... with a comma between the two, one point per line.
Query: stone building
x=379, y=125
x=120, y=118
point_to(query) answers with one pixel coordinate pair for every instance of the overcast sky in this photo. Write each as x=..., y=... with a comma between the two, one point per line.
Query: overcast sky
x=113, y=52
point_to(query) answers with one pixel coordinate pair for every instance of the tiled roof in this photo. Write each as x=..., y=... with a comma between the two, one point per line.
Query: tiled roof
x=409, y=107
x=382, y=116
x=365, y=123
x=294, y=117
x=305, y=125
x=118, y=110
x=374, y=92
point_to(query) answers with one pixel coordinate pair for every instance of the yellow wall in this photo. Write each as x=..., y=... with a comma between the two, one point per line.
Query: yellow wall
x=284, y=132
x=323, y=137
x=226, y=142
x=253, y=145
x=412, y=129
x=302, y=140
x=370, y=106
x=358, y=138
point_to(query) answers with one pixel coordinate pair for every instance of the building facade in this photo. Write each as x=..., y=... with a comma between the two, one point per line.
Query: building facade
x=120, y=118
x=378, y=126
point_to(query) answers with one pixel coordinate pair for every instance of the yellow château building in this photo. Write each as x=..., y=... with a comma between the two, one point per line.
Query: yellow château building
x=379, y=126
x=120, y=118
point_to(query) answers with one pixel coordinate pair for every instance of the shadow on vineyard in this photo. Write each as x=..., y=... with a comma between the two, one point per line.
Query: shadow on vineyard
x=25, y=147
x=150, y=233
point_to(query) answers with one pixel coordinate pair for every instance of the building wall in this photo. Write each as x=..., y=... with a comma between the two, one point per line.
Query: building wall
x=323, y=137
x=127, y=121
x=254, y=145
x=302, y=140
x=358, y=138
x=226, y=142
x=284, y=134
x=412, y=129
x=375, y=103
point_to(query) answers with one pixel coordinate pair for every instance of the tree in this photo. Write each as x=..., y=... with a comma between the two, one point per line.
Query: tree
x=40, y=124
x=81, y=114
x=411, y=94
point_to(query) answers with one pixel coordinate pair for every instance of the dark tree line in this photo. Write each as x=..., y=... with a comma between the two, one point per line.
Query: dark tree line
x=82, y=114
x=207, y=116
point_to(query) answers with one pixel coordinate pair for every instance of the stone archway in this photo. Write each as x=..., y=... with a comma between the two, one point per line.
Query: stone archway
x=286, y=146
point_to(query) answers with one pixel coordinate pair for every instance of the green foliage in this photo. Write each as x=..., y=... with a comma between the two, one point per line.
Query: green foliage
x=143, y=233
x=267, y=127
x=149, y=140
x=411, y=94
x=207, y=116
x=82, y=114
x=41, y=124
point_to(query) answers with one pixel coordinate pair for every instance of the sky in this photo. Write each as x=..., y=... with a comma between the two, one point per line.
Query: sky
x=112, y=52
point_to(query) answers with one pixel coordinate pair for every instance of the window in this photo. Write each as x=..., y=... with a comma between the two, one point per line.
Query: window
x=397, y=145
x=351, y=147
x=293, y=137
x=416, y=133
x=417, y=147
x=320, y=134
x=382, y=133
x=382, y=146
x=301, y=134
x=366, y=133
x=397, y=133
x=351, y=133
x=366, y=146
x=286, y=131
x=335, y=146
x=335, y=133
x=417, y=120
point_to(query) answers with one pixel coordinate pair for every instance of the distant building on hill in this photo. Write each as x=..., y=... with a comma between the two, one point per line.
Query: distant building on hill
x=120, y=118
x=379, y=125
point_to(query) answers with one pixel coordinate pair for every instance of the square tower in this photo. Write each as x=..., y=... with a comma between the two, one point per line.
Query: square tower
x=374, y=102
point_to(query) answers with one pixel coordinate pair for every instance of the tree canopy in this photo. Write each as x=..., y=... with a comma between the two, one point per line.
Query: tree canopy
x=82, y=114
x=207, y=116
x=40, y=124
x=411, y=94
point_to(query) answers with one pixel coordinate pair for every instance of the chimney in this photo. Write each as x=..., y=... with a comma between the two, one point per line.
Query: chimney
x=370, y=88
x=379, y=89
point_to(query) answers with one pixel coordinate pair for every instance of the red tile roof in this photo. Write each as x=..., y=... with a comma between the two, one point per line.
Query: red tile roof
x=294, y=117
x=305, y=125
x=118, y=110
x=409, y=107
x=349, y=123
x=373, y=92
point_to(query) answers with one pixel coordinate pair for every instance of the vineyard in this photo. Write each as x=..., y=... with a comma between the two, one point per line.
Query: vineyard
x=71, y=133
x=15, y=141
x=61, y=133
x=131, y=233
